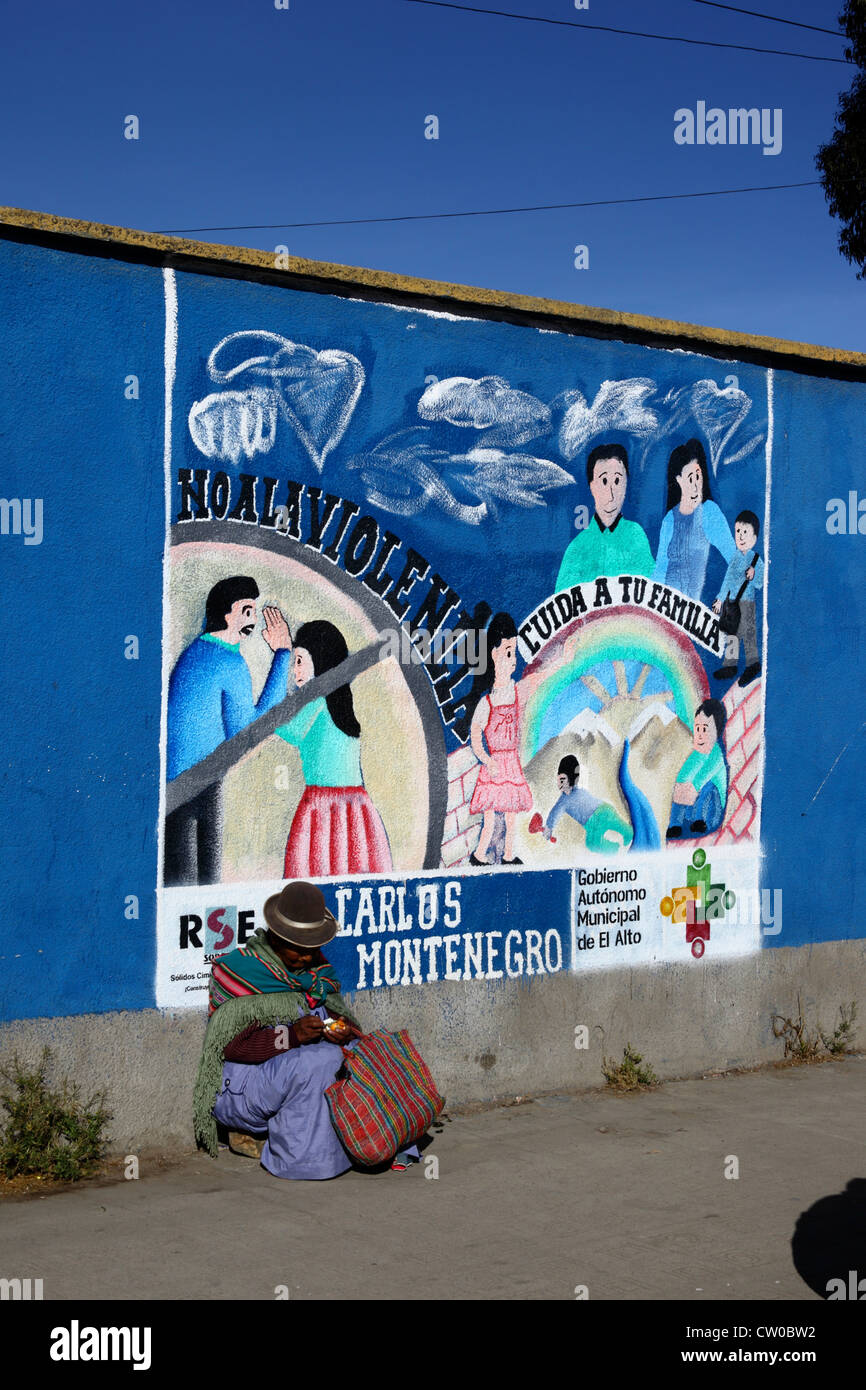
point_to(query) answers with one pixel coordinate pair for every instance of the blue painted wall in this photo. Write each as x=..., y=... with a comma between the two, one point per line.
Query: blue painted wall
x=80, y=763
x=813, y=829
x=81, y=724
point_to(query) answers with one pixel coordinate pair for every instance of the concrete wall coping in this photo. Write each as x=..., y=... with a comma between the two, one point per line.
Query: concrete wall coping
x=325, y=277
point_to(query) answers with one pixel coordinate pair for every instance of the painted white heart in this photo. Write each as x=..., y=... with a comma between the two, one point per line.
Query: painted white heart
x=719, y=413
x=251, y=351
x=317, y=392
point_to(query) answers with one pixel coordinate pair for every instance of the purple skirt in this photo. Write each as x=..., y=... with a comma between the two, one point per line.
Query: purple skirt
x=285, y=1099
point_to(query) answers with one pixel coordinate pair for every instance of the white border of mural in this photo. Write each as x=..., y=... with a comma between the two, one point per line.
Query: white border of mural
x=657, y=874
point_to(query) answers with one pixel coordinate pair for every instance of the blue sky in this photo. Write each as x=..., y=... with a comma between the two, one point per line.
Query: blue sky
x=251, y=114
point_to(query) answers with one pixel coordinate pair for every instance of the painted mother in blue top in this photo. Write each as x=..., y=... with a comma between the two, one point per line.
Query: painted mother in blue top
x=692, y=523
x=210, y=699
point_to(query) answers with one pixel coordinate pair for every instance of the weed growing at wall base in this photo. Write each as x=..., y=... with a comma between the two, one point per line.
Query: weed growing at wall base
x=631, y=1074
x=803, y=1044
x=839, y=1041
x=53, y=1133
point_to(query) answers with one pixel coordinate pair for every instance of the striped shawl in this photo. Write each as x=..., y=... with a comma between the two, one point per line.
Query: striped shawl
x=281, y=1000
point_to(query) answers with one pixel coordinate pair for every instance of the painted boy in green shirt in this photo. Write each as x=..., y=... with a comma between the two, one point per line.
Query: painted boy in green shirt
x=701, y=789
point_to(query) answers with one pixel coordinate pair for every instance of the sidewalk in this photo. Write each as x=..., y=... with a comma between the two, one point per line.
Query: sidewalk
x=623, y=1194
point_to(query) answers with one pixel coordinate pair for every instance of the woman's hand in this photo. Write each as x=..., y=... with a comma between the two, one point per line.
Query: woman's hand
x=309, y=1029
x=341, y=1030
x=493, y=768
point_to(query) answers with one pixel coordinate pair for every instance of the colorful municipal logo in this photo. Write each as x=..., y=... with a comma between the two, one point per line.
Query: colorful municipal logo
x=698, y=903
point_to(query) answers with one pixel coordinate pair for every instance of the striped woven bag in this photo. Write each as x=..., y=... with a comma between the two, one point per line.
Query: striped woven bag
x=387, y=1100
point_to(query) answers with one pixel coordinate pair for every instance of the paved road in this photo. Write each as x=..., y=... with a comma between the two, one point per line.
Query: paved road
x=626, y=1195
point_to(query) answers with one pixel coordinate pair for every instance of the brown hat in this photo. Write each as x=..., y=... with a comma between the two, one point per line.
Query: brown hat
x=298, y=914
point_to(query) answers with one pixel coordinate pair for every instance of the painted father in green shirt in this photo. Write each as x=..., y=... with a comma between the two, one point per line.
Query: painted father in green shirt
x=610, y=544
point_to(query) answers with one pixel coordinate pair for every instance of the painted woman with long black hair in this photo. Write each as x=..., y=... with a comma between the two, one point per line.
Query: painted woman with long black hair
x=336, y=828
x=692, y=523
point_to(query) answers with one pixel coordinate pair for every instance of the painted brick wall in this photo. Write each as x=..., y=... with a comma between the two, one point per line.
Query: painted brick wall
x=462, y=829
x=743, y=734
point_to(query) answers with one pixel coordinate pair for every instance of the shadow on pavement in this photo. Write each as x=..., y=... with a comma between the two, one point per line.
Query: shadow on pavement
x=829, y=1242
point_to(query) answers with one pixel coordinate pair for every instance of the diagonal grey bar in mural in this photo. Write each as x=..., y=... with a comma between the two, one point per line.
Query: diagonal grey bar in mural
x=214, y=767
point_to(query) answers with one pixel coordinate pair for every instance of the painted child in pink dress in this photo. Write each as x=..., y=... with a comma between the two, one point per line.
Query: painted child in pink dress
x=501, y=785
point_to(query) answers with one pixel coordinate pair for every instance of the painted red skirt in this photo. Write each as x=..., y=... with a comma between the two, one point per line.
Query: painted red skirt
x=336, y=830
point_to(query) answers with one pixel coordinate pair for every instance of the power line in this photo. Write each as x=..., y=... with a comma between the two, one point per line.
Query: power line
x=633, y=33
x=487, y=212
x=777, y=19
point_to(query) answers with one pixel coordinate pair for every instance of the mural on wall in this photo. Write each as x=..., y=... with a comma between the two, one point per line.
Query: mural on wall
x=447, y=598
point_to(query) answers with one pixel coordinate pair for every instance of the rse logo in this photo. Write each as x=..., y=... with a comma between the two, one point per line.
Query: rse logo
x=219, y=929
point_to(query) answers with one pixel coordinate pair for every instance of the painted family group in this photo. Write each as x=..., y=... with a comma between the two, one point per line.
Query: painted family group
x=692, y=525
x=610, y=546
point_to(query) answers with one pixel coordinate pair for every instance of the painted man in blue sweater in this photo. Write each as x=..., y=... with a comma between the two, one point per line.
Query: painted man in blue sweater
x=210, y=698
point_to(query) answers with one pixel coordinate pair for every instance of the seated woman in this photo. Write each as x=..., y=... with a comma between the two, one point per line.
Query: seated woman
x=267, y=1059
